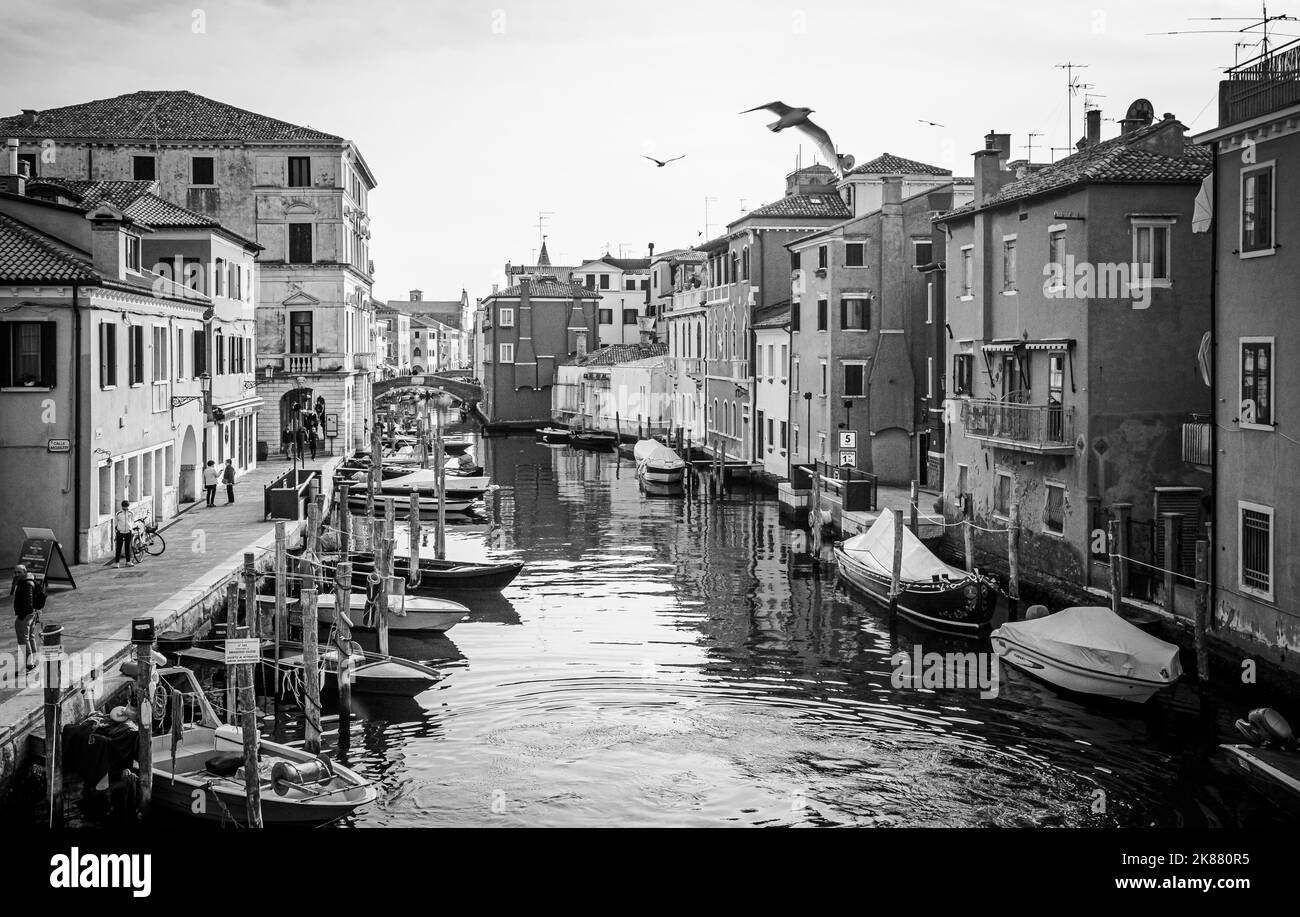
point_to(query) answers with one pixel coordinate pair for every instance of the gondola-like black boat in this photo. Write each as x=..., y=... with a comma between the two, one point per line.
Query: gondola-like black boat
x=593, y=439
x=933, y=594
x=438, y=576
x=555, y=436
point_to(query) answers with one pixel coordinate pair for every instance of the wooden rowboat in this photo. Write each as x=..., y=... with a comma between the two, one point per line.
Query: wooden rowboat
x=418, y=613
x=206, y=780
x=372, y=673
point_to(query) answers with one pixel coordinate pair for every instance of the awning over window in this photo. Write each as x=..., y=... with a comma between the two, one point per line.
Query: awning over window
x=1017, y=344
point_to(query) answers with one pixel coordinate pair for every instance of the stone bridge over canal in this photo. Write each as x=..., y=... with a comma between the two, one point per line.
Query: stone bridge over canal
x=428, y=384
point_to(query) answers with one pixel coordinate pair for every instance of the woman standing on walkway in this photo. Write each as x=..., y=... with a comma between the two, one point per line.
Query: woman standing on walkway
x=24, y=592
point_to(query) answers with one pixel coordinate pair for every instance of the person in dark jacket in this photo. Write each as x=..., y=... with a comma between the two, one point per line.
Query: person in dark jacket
x=24, y=593
x=228, y=478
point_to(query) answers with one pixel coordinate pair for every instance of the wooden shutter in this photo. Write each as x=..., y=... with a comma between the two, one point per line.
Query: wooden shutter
x=1185, y=500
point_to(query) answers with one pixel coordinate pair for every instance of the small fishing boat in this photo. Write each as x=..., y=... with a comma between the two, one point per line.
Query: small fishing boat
x=598, y=440
x=656, y=463
x=405, y=613
x=933, y=594
x=402, y=502
x=555, y=436
x=1270, y=758
x=202, y=775
x=457, y=444
x=438, y=576
x=1089, y=650
x=372, y=673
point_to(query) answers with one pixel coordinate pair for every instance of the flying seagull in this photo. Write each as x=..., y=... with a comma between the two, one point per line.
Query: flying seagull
x=931, y=123
x=662, y=162
x=798, y=118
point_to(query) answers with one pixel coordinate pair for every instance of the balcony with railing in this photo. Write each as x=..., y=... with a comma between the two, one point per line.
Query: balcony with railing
x=1043, y=428
x=1261, y=85
x=688, y=365
x=1196, y=441
x=729, y=369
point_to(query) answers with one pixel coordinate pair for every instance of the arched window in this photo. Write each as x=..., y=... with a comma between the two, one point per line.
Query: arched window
x=744, y=264
x=416, y=352
x=735, y=262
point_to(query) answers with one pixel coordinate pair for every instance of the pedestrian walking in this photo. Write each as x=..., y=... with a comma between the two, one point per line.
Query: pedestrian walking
x=23, y=590
x=122, y=535
x=311, y=441
x=228, y=478
x=210, y=478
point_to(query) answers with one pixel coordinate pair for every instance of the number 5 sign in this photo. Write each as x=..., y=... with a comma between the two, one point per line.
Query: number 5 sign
x=848, y=439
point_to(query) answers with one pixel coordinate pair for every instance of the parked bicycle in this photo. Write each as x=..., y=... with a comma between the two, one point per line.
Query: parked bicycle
x=146, y=540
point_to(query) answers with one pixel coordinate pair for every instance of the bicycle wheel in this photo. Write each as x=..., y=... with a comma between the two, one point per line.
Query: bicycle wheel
x=137, y=548
x=154, y=544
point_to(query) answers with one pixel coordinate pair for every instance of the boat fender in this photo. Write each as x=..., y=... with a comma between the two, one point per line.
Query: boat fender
x=1249, y=732
x=287, y=774
x=1272, y=725
x=1036, y=611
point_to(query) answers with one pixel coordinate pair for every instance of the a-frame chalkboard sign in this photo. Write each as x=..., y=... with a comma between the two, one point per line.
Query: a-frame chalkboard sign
x=43, y=556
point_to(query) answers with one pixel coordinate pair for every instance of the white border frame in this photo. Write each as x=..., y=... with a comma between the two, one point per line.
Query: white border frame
x=1272, y=216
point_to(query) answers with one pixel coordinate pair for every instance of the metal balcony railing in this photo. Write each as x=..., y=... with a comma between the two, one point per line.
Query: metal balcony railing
x=1033, y=427
x=1261, y=85
x=1196, y=443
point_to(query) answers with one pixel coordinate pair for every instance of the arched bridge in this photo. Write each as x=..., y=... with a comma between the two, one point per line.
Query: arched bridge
x=467, y=393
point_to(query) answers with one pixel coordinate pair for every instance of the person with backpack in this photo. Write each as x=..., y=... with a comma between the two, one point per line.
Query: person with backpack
x=228, y=478
x=24, y=590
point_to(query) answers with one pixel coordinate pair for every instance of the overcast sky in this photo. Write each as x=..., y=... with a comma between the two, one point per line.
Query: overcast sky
x=474, y=116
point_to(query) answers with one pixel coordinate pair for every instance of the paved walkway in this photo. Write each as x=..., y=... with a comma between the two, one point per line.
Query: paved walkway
x=203, y=546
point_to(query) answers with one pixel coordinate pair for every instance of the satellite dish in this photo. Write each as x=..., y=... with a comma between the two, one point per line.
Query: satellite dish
x=1141, y=111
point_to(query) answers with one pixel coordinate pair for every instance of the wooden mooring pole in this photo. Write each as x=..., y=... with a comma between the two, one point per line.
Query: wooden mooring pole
x=915, y=500
x=232, y=624
x=1172, y=527
x=1202, y=622
x=968, y=539
x=310, y=673
x=896, y=571
x=413, y=541
x=248, y=726
x=1113, y=542
x=1013, y=563
x=281, y=622
x=251, y=616
x=384, y=566
x=343, y=641
x=142, y=636
x=52, y=659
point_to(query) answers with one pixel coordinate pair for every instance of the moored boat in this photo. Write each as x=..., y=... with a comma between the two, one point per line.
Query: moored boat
x=656, y=463
x=371, y=673
x=933, y=593
x=405, y=612
x=1089, y=650
x=553, y=435
x=202, y=775
x=593, y=439
x=438, y=576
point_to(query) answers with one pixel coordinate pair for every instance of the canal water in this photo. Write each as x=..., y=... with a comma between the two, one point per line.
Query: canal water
x=659, y=663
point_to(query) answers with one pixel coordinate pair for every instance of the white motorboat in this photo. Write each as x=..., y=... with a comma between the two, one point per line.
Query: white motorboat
x=1091, y=650
x=656, y=463
x=200, y=774
x=405, y=612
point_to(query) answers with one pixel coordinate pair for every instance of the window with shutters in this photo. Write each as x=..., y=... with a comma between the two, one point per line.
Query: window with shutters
x=219, y=353
x=821, y=257
x=855, y=379
x=606, y=316
x=1009, y=264
x=507, y=353
x=822, y=317
x=963, y=369
x=629, y=316
x=135, y=354
x=1054, y=509
x=159, y=364
x=27, y=355
x=796, y=311
x=178, y=359
x=967, y=272
x=200, y=352
x=855, y=254
x=1255, y=549
x=505, y=319
x=1257, y=210
x=300, y=248
x=1002, y=493
x=1257, y=410
x=299, y=171
x=855, y=313
x=107, y=354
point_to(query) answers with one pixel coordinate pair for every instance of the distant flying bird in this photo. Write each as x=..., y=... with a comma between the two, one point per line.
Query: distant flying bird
x=931, y=123
x=662, y=162
x=798, y=118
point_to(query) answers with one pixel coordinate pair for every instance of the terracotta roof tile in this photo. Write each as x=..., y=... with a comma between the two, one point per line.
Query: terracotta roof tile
x=28, y=255
x=825, y=204
x=614, y=354
x=550, y=289
x=889, y=164
x=159, y=115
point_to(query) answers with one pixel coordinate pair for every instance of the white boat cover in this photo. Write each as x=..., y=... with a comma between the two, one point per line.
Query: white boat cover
x=1095, y=638
x=655, y=452
x=874, y=548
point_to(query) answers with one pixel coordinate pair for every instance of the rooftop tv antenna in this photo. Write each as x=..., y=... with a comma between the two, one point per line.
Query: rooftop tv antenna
x=1257, y=22
x=1073, y=86
x=541, y=223
x=1029, y=147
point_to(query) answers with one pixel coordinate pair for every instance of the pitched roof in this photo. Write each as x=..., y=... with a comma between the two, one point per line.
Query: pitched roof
x=138, y=200
x=1126, y=159
x=822, y=204
x=26, y=254
x=889, y=164
x=622, y=353
x=544, y=259
x=552, y=289
x=160, y=115
x=628, y=264
x=776, y=315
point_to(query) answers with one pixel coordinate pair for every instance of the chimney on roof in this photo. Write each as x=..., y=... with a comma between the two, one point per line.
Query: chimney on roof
x=1092, y=120
x=652, y=251
x=12, y=181
x=29, y=117
x=417, y=295
x=989, y=172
